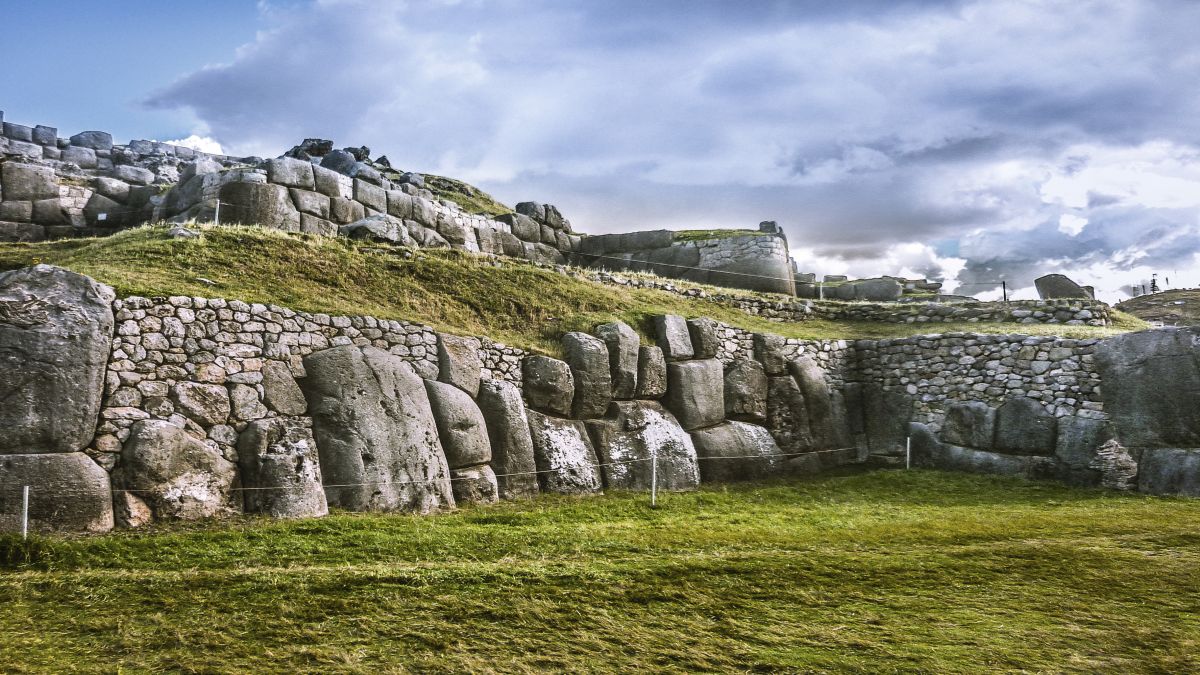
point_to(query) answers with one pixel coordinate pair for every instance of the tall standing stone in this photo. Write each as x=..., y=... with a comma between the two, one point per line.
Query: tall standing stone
x=588, y=358
x=565, y=459
x=512, y=447
x=281, y=470
x=696, y=392
x=623, y=348
x=673, y=337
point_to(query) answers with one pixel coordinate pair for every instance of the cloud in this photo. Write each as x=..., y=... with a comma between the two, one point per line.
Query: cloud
x=1025, y=136
x=198, y=142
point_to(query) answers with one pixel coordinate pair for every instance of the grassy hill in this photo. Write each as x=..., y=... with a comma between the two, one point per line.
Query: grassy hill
x=508, y=300
x=1179, y=307
x=882, y=572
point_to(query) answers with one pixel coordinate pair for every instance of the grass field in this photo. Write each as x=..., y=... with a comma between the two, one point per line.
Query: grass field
x=872, y=572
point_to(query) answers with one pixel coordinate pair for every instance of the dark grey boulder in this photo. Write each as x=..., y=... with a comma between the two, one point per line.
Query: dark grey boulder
x=1025, y=427
x=564, y=455
x=1054, y=286
x=623, y=347
x=548, y=383
x=652, y=373
x=588, y=359
x=475, y=485
x=375, y=432
x=971, y=424
x=178, y=476
x=96, y=140
x=263, y=204
x=736, y=451
x=696, y=393
x=1170, y=471
x=460, y=426
x=1151, y=380
x=705, y=342
x=640, y=438
x=84, y=158
x=459, y=363
x=281, y=393
x=887, y=415
x=339, y=161
x=377, y=227
x=508, y=430
x=827, y=423
x=787, y=415
x=281, y=472
x=27, y=182
x=55, y=336
x=68, y=493
x=769, y=350
x=673, y=337
x=532, y=210
x=1078, y=450
x=745, y=391
x=134, y=175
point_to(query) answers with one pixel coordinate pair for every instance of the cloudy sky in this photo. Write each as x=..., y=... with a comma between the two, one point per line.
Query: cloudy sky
x=971, y=141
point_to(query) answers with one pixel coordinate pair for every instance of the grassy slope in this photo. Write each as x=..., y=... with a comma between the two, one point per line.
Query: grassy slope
x=881, y=572
x=701, y=235
x=512, y=302
x=469, y=197
x=1162, y=307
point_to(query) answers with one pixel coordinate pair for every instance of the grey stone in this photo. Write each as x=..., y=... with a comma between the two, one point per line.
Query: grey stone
x=84, y=158
x=331, y=183
x=588, y=359
x=263, y=204
x=874, y=290
x=1025, y=427
x=281, y=393
x=68, y=493
x=460, y=426
x=1079, y=442
x=459, y=363
x=532, y=210
x=696, y=393
x=787, y=415
x=522, y=226
x=705, y=342
x=769, y=351
x=652, y=373
x=178, y=476
x=475, y=485
x=112, y=188
x=199, y=167
x=623, y=345
x=133, y=175
x=971, y=424
x=640, y=438
x=564, y=455
x=745, y=391
x=673, y=337
x=18, y=132
x=1054, y=286
x=205, y=404
x=954, y=458
x=27, y=182
x=508, y=429
x=1150, y=383
x=1170, y=471
x=311, y=202
x=18, y=212
x=826, y=423
x=48, y=212
x=378, y=227
x=291, y=172
x=549, y=385
x=310, y=224
x=345, y=210
x=887, y=415
x=55, y=334
x=371, y=196
x=339, y=161
x=96, y=140
x=399, y=204
x=375, y=432
x=736, y=451
x=43, y=135
x=245, y=404
x=105, y=212
x=281, y=469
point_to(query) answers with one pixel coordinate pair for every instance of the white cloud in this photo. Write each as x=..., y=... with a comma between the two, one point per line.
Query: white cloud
x=1071, y=224
x=201, y=143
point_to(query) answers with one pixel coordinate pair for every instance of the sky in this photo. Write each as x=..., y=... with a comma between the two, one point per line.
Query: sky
x=972, y=141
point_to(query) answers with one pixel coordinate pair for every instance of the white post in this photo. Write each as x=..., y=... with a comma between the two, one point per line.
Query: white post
x=25, y=513
x=653, y=477
x=908, y=452
x=821, y=289
x=217, y=215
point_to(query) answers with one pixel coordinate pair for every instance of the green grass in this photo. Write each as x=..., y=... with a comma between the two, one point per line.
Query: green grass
x=880, y=572
x=702, y=235
x=1161, y=307
x=510, y=301
x=469, y=197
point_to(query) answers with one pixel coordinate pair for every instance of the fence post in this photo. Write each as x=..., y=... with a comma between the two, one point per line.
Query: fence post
x=217, y=215
x=908, y=452
x=653, y=477
x=25, y=513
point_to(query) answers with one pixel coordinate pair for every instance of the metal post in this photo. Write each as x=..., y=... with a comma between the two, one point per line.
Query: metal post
x=908, y=452
x=821, y=289
x=25, y=513
x=1004, y=286
x=217, y=215
x=653, y=477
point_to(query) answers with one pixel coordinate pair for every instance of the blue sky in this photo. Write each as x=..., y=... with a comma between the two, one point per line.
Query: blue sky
x=960, y=139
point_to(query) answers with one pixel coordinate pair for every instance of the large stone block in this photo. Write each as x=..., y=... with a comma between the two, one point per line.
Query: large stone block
x=291, y=172
x=673, y=337
x=312, y=203
x=378, y=227
x=375, y=432
x=55, y=335
x=548, y=383
x=696, y=393
x=371, y=196
x=1170, y=471
x=205, y=404
x=745, y=391
x=133, y=175
x=459, y=363
x=84, y=158
x=460, y=426
x=523, y=227
x=262, y=204
x=475, y=485
x=623, y=346
x=564, y=455
x=1152, y=387
x=971, y=424
x=652, y=373
x=736, y=451
x=826, y=422
x=68, y=493
x=96, y=140
x=769, y=350
x=705, y=342
x=175, y=474
x=588, y=359
x=887, y=416
x=333, y=184
x=345, y=210
x=640, y=440
x=1078, y=451
x=954, y=458
x=281, y=393
x=281, y=470
x=27, y=182
x=1053, y=286
x=787, y=415
x=1025, y=427
x=508, y=429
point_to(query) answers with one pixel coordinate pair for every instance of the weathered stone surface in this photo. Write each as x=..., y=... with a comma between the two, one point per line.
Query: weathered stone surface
x=508, y=430
x=826, y=420
x=112, y=188
x=27, y=182
x=371, y=196
x=375, y=432
x=623, y=345
x=971, y=424
x=312, y=203
x=459, y=363
x=281, y=470
x=636, y=435
x=549, y=384
x=55, y=334
x=705, y=342
x=887, y=415
x=281, y=393
x=176, y=475
x=84, y=158
x=523, y=227
x=377, y=227
x=96, y=140
x=343, y=210
x=736, y=451
x=262, y=204
x=1170, y=471
x=588, y=359
x=696, y=393
x=1079, y=441
x=68, y=493
x=1151, y=380
x=1025, y=427
x=673, y=337
x=745, y=391
x=874, y=290
x=206, y=404
x=291, y=172
x=460, y=425
x=1059, y=286
x=652, y=373
x=954, y=458
x=133, y=175
x=787, y=415
x=563, y=451
x=768, y=350
x=332, y=184
x=475, y=485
